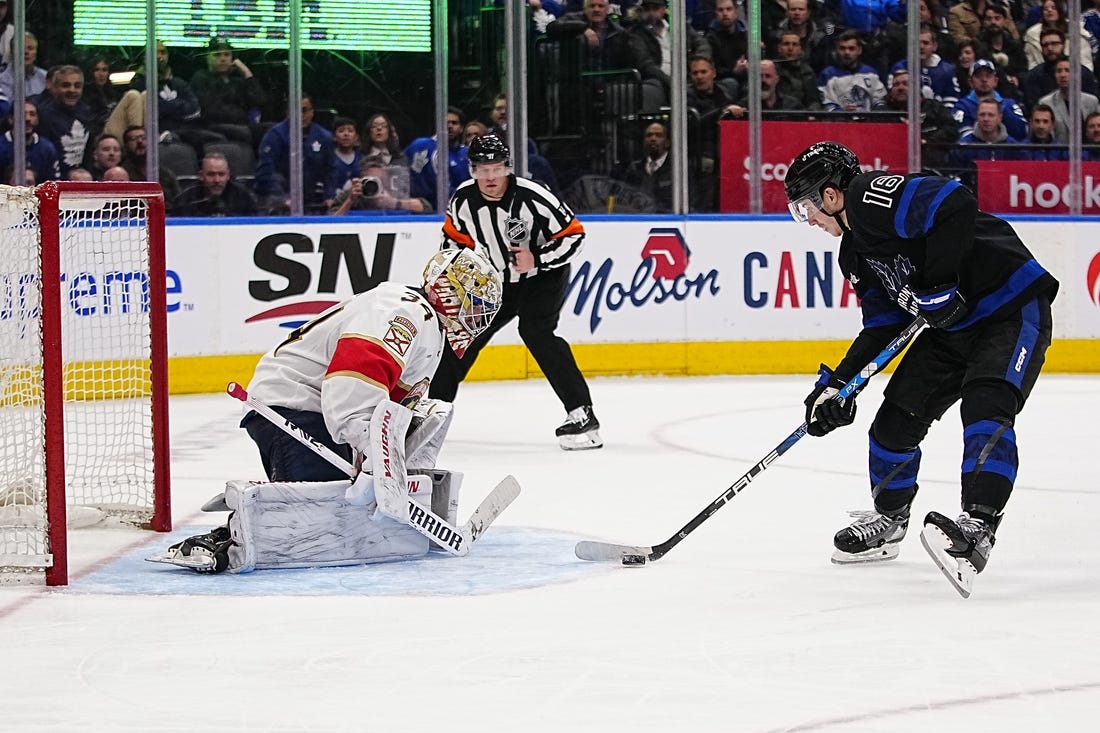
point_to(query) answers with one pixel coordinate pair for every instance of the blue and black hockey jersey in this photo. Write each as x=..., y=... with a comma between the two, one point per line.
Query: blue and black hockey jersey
x=914, y=232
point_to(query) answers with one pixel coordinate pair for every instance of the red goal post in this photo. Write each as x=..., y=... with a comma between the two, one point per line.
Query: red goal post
x=83, y=368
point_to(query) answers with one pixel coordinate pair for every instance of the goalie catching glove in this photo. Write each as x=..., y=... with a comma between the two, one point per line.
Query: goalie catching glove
x=824, y=411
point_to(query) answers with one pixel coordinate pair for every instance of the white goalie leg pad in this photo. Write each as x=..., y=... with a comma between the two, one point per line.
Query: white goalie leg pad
x=430, y=423
x=311, y=524
x=388, y=426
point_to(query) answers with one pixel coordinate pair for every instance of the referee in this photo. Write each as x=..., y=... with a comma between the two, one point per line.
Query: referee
x=531, y=237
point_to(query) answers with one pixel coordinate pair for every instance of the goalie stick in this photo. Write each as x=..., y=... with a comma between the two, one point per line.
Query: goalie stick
x=455, y=540
x=639, y=554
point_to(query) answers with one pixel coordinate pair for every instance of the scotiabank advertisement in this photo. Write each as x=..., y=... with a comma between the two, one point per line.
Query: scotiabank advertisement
x=880, y=146
x=1034, y=187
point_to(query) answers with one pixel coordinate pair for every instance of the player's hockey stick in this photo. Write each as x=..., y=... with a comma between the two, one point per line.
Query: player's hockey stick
x=455, y=540
x=639, y=555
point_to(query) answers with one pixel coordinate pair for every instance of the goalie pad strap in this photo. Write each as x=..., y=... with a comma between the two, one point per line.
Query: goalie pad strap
x=310, y=524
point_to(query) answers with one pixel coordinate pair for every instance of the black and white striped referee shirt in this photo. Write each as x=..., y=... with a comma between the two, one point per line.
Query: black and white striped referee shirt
x=527, y=216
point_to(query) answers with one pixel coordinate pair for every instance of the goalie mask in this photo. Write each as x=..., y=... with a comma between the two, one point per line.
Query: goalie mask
x=464, y=289
x=818, y=166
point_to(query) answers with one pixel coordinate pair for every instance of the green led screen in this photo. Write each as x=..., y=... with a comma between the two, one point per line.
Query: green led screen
x=367, y=25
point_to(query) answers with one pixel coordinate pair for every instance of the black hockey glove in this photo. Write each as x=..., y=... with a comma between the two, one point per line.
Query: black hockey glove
x=824, y=412
x=942, y=306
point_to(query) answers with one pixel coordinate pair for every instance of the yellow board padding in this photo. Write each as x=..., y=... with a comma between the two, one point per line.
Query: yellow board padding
x=203, y=374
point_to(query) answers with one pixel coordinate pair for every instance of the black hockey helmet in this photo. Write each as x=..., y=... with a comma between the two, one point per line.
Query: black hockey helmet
x=820, y=165
x=488, y=148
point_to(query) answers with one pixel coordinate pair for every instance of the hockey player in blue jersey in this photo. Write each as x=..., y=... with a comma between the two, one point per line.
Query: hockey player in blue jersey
x=918, y=245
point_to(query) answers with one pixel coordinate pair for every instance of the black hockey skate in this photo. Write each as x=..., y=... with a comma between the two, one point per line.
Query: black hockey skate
x=959, y=547
x=871, y=537
x=204, y=553
x=580, y=431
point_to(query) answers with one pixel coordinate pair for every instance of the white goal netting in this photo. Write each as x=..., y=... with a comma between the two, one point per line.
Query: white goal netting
x=103, y=365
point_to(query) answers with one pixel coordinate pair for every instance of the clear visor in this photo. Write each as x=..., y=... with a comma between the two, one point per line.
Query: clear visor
x=804, y=209
x=490, y=170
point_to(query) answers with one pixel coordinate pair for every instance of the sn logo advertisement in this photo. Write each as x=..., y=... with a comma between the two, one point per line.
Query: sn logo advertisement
x=339, y=253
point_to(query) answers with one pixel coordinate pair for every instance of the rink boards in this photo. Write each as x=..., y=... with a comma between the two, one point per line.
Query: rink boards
x=648, y=295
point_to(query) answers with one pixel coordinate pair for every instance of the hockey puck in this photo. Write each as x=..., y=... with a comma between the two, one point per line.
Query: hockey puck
x=633, y=559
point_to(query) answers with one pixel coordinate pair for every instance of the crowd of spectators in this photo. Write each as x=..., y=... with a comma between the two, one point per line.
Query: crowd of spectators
x=985, y=65
x=994, y=78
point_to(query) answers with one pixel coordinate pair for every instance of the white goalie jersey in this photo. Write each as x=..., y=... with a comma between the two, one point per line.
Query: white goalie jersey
x=381, y=344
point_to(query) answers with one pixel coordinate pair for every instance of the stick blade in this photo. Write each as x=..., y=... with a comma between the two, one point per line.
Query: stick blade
x=502, y=495
x=607, y=552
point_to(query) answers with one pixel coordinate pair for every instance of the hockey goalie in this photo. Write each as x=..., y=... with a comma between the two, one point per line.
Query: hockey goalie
x=348, y=438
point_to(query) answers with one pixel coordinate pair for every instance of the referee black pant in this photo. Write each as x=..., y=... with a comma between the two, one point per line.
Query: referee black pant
x=537, y=302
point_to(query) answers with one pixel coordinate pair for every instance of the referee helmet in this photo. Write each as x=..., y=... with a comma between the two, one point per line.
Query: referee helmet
x=488, y=148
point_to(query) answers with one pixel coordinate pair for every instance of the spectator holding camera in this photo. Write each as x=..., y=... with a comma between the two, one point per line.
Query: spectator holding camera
x=380, y=188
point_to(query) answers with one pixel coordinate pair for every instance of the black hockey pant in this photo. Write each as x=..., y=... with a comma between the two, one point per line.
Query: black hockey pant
x=991, y=367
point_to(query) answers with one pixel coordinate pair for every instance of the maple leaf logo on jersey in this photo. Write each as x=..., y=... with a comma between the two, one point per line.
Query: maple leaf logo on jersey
x=895, y=278
x=1093, y=279
x=73, y=143
x=419, y=160
x=669, y=252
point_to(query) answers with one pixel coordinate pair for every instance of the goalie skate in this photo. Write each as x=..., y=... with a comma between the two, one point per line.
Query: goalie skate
x=871, y=537
x=204, y=553
x=199, y=562
x=959, y=548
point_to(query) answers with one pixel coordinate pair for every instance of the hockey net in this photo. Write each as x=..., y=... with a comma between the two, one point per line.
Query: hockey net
x=83, y=356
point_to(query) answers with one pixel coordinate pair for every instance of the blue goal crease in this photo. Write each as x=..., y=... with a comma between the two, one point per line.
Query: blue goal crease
x=504, y=559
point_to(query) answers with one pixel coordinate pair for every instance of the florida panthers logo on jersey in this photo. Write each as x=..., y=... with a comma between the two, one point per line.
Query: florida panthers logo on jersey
x=895, y=278
x=400, y=335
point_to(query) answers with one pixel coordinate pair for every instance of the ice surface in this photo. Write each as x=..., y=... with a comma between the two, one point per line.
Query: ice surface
x=745, y=626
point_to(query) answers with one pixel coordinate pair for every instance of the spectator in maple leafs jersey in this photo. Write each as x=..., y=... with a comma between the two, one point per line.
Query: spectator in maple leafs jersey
x=983, y=85
x=65, y=120
x=422, y=157
x=918, y=245
x=531, y=238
